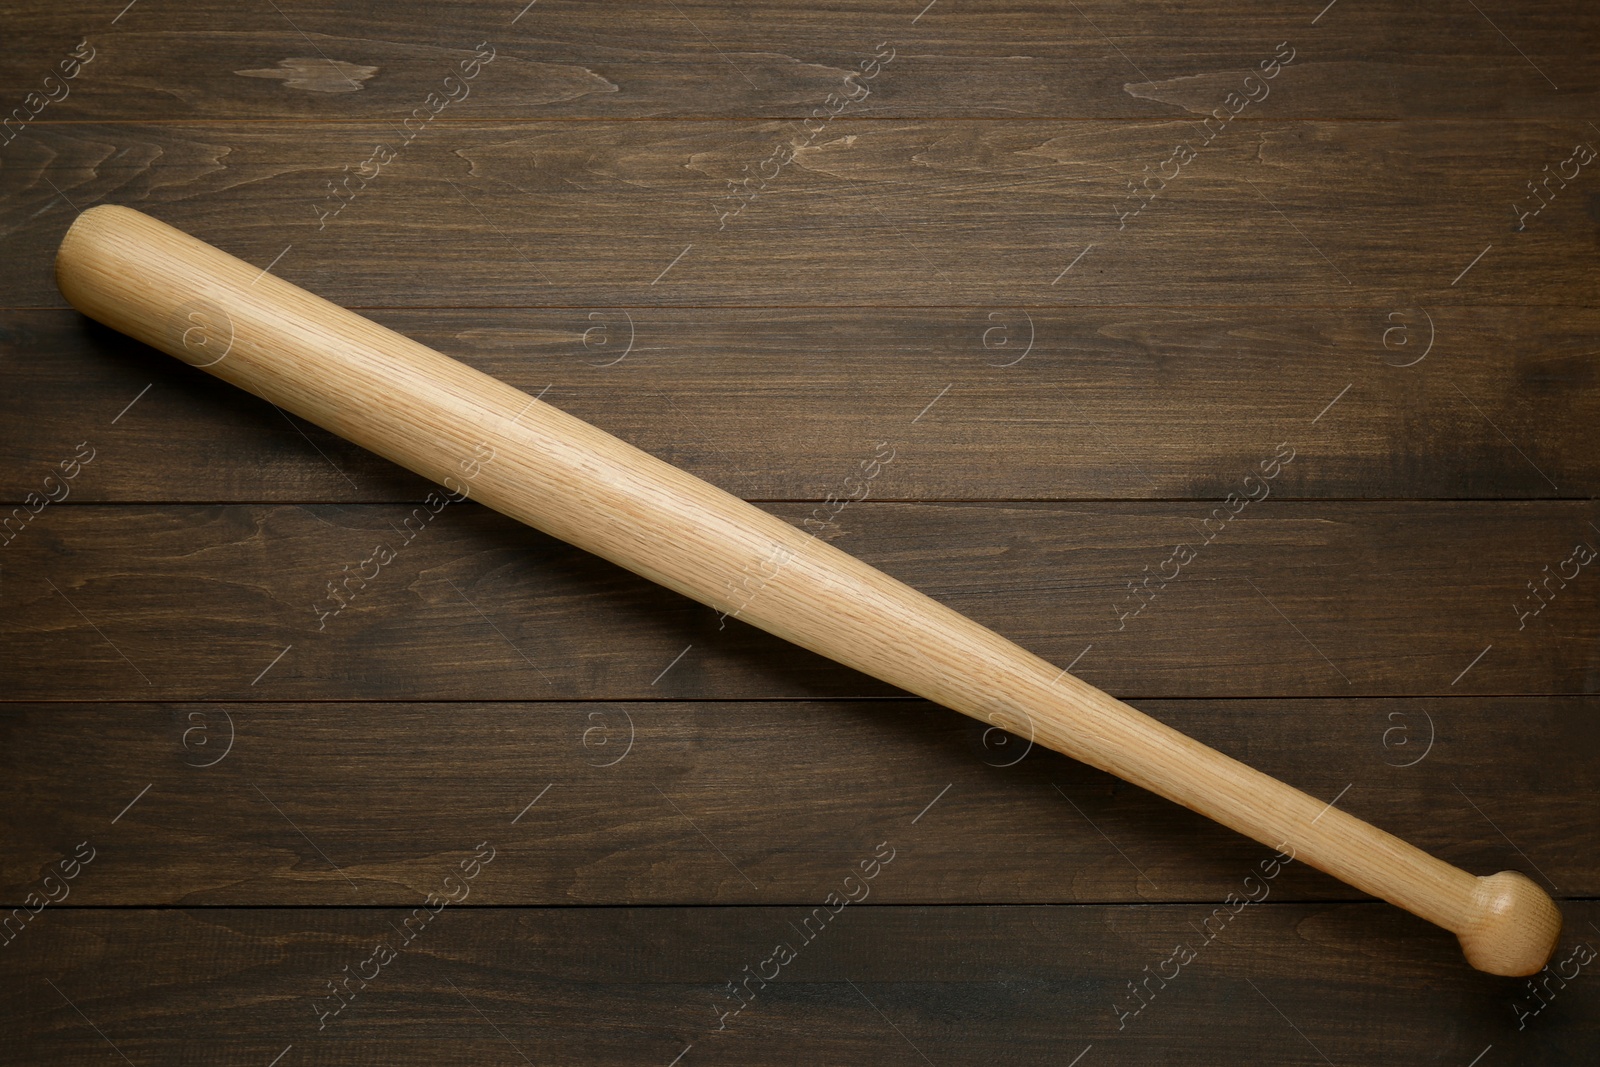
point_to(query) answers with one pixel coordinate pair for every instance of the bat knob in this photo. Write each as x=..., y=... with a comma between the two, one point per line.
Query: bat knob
x=1515, y=926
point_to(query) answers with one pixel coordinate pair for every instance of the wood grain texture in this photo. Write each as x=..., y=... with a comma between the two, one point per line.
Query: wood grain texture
x=691, y=58
x=683, y=802
x=1026, y=985
x=1349, y=599
x=783, y=403
x=877, y=212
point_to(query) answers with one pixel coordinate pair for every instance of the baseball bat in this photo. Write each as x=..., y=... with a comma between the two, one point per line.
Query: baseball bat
x=541, y=466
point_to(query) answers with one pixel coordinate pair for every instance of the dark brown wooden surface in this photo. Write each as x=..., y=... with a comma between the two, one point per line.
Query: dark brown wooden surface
x=268, y=787
x=871, y=211
x=1095, y=404
x=631, y=785
x=671, y=59
x=1283, y=983
x=1291, y=599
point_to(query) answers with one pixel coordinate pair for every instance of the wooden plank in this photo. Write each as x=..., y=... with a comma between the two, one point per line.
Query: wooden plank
x=675, y=803
x=1287, y=599
x=674, y=59
x=1293, y=984
x=1386, y=215
x=783, y=403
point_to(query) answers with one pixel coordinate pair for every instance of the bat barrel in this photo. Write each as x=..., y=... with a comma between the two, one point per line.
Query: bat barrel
x=485, y=440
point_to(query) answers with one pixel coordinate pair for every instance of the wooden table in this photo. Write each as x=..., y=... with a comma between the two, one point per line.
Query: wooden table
x=1006, y=300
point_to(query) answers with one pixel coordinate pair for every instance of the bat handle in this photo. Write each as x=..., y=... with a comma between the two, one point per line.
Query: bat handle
x=1506, y=924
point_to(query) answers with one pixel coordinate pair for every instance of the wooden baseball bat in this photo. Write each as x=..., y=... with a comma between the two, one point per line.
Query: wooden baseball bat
x=521, y=456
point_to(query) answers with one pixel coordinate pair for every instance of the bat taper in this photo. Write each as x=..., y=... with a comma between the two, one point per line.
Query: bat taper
x=441, y=418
